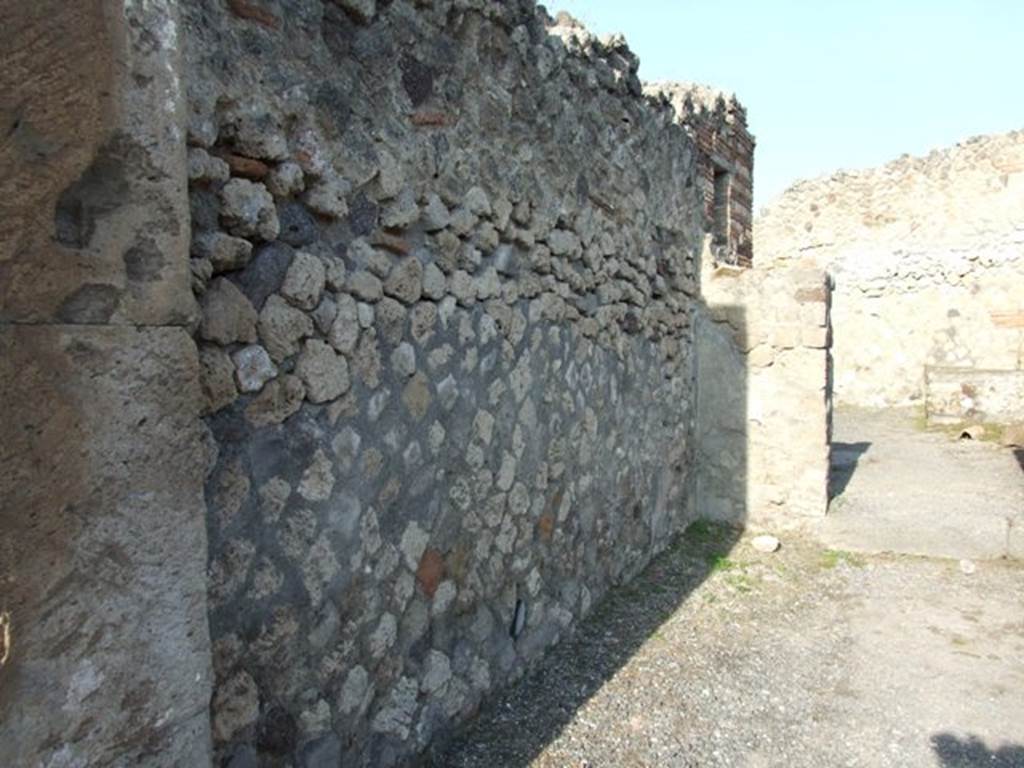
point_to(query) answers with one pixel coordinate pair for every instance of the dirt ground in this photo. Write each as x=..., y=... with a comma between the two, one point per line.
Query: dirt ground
x=898, y=487
x=722, y=656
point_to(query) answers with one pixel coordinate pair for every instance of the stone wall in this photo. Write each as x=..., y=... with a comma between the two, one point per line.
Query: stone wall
x=394, y=305
x=446, y=259
x=763, y=394
x=963, y=396
x=104, y=649
x=927, y=255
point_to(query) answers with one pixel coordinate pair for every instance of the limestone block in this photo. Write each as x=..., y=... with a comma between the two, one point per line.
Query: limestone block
x=228, y=316
x=285, y=180
x=816, y=337
x=401, y=212
x=405, y=282
x=477, y=202
x=226, y=253
x=365, y=286
x=391, y=316
x=278, y=400
x=435, y=215
x=304, y=281
x=353, y=691
x=327, y=196
x=102, y=493
x=253, y=368
x=344, y=331
x=788, y=336
x=247, y=210
x=433, y=282
x=216, y=376
x=202, y=167
x=235, y=706
x=255, y=132
x=93, y=222
x=324, y=371
x=1015, y=539
x=324, y=314
x=282, y=327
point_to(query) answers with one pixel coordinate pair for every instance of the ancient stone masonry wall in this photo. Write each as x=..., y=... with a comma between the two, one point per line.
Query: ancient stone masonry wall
x=717, y=123
x=445, y=253
x=927, y=255
x=764, y=397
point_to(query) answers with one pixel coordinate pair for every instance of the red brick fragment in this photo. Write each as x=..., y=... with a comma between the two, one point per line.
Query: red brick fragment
x=244, y=9
x=430, y=572
x=546, y=527
x=431, y=119
x=246, y=167
x=392, y=243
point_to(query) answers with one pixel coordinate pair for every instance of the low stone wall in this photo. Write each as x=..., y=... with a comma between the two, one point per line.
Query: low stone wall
x=927, y=255
x=446, y=260
x=970, y=395
x=763, y=395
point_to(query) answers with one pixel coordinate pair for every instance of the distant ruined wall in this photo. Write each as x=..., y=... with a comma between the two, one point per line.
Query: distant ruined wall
x=927, y=255
x=446, y=256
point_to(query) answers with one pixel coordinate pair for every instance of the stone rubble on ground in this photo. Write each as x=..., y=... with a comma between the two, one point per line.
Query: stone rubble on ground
x=765, y=543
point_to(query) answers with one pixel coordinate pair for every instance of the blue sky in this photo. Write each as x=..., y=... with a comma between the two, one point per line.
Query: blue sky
x=835, y=84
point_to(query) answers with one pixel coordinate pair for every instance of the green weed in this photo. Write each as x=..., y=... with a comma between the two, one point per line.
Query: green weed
x=831, y=558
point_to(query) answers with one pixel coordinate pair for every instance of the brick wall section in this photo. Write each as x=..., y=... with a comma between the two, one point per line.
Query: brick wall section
x=717, y=123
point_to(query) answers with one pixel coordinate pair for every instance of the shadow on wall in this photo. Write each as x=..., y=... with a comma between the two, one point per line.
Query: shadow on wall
x=971, y=752
x=845, y=457
x=518, y=724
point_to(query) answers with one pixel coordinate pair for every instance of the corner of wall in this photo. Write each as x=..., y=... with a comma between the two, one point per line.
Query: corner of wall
x=106, y=653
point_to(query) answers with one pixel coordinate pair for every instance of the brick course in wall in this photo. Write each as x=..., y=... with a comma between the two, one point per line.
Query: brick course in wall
x=717, y=123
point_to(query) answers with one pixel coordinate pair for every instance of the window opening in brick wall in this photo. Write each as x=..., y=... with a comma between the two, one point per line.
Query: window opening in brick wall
x=720, y=209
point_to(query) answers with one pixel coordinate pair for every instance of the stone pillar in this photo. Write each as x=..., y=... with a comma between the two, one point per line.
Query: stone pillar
x=104, y=647
x=764, y=395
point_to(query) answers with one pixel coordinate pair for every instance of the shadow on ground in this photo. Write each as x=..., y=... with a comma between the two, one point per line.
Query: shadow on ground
x=971, y=752
x=844, y=463
x=1018, y=454
x=516, y=726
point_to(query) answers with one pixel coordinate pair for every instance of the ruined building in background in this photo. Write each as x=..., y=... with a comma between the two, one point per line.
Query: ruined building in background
x=927, y=256
x=350, y=357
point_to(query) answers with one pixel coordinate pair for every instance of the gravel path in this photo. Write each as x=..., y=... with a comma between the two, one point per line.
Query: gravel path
x=722, y=656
